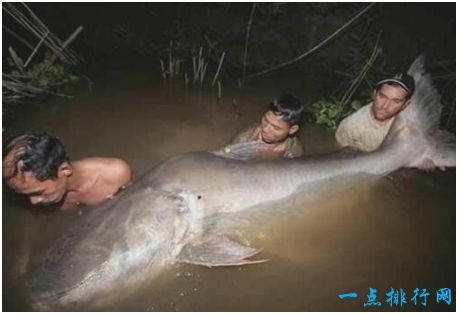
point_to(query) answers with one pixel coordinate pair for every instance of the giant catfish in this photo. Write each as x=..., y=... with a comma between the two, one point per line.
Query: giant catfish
x=169, y=214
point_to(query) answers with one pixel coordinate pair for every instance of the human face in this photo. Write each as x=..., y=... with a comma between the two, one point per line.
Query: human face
x=274, y=129
x=47, y=192
x=389, y=101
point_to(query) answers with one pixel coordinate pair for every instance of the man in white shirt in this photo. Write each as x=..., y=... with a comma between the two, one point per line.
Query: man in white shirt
x=366, y=129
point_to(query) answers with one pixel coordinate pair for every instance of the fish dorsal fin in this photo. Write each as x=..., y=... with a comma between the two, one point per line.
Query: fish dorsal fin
x=218, y=251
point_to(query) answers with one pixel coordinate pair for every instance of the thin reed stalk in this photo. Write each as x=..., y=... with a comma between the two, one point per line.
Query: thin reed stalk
x=19, y=38
x=202, y=75
x=357, y=81
x=194, y=68
x=219, y=90
x=247, y=37
x=35, y=50
x=16, y=59
x=37, y=28
x=314, y=49
x=219, y=68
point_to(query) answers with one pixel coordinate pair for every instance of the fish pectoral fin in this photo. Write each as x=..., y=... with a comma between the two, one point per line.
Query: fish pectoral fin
x=219, y=251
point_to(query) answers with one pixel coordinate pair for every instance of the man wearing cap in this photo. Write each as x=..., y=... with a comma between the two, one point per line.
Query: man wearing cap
x=366, y=129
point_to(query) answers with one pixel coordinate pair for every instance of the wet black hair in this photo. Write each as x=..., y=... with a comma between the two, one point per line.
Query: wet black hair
x=41, y=154
x=290, y=108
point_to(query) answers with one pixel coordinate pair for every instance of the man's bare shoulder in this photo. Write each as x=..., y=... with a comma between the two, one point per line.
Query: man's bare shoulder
x=113, y=170
x=246, y=134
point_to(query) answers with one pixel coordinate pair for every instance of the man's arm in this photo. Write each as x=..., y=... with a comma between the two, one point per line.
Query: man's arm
x=343, y=134
x=295, y=149
x=439, y=153
x=428, y=165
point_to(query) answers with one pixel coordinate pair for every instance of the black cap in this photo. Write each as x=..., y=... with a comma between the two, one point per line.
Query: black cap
x=403, y=79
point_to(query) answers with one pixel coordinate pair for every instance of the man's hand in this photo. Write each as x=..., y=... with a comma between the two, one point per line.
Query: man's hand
x=428, y=165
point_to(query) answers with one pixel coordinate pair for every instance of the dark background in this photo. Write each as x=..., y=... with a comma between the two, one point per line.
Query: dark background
x=140, y=30
x=138, y=35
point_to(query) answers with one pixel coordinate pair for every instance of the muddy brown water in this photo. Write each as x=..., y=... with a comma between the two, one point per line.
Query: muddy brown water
x=396, y=232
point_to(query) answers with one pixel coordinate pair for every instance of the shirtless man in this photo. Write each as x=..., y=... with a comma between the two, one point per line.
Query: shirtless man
x=38, y=167
x=278, y=128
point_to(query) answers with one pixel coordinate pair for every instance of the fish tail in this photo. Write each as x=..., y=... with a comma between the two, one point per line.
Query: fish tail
x=418, y=124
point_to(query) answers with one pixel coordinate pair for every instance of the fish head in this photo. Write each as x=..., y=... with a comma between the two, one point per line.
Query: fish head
x=112, y=251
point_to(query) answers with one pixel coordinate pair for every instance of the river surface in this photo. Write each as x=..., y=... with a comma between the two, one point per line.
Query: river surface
x=396, y=232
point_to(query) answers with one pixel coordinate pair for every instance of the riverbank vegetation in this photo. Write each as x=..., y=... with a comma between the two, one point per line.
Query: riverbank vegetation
x=343, y=48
